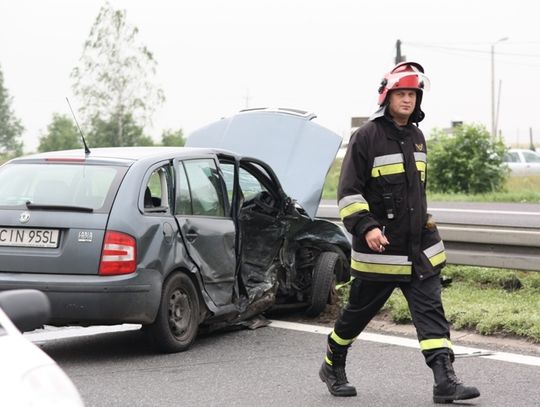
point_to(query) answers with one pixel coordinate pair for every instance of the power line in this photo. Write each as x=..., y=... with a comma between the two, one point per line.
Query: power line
x=472, y=43
x=477, y=51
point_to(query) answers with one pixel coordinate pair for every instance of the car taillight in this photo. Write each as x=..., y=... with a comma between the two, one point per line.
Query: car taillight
x=119, y=254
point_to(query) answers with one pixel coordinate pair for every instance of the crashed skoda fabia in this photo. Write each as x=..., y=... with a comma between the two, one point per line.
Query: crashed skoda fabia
x=177, y=238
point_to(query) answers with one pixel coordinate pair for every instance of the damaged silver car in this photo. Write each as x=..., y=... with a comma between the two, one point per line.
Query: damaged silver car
x=177, y=239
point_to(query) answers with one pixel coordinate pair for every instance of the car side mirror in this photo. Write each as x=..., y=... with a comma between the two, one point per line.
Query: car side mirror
x=28, y=309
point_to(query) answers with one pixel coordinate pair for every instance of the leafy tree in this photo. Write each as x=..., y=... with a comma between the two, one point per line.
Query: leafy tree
x=10, y=126
x=62, y=134
x=467, y=161
x=113, y=80
x=104, y=133
x=173, y=138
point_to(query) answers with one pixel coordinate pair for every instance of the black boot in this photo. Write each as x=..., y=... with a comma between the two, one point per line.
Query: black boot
x=332, y=371
x=447, y=386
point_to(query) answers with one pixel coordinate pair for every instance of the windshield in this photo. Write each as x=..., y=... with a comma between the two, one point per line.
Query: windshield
x=57, y=184
x=531, y=157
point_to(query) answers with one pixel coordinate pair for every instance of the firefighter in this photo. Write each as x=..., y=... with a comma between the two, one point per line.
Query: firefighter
x=382, y=203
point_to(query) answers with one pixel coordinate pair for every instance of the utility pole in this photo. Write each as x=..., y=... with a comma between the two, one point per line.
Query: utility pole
x=493, y=92
x=399, y=57
x=498, y=106
x=493, y=122
x=531, y=144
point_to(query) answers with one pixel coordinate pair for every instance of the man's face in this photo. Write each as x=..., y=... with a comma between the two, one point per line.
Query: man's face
x=402, y=103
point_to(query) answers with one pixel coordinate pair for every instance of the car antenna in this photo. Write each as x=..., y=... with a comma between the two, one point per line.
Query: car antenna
x=86, y=149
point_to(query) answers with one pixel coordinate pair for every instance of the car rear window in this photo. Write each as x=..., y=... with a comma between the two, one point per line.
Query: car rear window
x=82, y=185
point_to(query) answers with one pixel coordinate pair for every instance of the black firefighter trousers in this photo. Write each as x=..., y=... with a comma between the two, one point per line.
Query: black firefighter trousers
x=366, y=298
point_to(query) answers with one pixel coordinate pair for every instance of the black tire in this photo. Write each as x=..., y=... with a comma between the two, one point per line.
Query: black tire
x=177, y=321
x=323, y=277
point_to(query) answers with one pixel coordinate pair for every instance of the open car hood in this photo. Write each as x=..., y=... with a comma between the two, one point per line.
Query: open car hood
x=299, y=151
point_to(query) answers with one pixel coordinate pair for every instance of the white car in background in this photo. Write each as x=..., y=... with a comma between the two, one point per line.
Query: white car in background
x=522, y=161
x=28, y=376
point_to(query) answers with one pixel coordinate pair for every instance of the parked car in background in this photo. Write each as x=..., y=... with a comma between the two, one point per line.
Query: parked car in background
x=174, y=238
x=522, y=162
x=28, y=376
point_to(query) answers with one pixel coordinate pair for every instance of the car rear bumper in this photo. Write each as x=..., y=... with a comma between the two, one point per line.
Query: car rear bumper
x=91, y=300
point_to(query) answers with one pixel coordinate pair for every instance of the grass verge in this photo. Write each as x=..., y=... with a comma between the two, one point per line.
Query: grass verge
x=485, y=300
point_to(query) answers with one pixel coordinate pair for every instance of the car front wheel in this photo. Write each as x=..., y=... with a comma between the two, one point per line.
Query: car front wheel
x=177, y=322
x=324, y=273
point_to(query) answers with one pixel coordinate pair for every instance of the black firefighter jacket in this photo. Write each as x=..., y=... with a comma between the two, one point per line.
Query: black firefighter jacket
x=382, y=183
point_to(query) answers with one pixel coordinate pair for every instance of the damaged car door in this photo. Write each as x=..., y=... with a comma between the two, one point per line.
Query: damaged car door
x=202, y=212
x=258, y=208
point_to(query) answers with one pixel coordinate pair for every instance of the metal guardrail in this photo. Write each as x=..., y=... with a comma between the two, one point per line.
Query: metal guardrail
x=513, y=248
x=489, y=246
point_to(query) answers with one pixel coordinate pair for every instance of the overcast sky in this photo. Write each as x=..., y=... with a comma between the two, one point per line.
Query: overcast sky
x=326, y=56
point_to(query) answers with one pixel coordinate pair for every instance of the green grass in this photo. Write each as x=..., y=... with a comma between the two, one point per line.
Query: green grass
x=486, y=301
x=523, y=189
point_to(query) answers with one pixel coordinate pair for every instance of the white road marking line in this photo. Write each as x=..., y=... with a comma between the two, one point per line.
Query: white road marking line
x=482, y=211
x=485, y=211
x=53, y=333
x=412, y=343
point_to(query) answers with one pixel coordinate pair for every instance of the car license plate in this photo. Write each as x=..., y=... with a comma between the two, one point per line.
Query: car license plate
x=24, y=237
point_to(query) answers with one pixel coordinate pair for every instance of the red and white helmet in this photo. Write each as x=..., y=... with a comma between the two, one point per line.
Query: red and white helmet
x=405, y=75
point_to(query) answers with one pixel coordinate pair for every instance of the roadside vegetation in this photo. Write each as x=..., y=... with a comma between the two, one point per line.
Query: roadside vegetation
x=522, y=189
x=518, y=189
x=485, y=300
x=115, y=89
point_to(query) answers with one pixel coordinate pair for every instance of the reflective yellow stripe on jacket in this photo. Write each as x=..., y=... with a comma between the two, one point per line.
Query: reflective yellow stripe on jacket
x=387, y=165
x=436, y=254
x=393, y=164
x=421, y=164
x=352, y=204
x=380, y=263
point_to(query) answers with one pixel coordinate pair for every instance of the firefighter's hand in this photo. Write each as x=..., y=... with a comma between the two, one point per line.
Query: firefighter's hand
x=376, y=240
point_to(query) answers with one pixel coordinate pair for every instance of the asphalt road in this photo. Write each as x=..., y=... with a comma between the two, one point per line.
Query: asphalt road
x=273, y=366
x=278, y=367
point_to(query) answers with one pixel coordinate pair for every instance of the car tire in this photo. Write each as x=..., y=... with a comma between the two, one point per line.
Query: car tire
x=323, y=276
x=177, y=321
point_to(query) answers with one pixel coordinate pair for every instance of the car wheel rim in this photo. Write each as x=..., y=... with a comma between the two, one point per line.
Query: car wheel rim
x=179, y=313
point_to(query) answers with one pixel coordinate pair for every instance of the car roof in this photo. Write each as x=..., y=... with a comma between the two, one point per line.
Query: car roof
x=119, y=155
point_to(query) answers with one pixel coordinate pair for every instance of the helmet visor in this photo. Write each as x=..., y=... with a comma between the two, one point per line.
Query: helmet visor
x=408, y=80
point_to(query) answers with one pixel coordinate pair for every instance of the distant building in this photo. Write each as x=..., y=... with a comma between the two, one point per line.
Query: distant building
x=356, y=122
x=453, y=125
